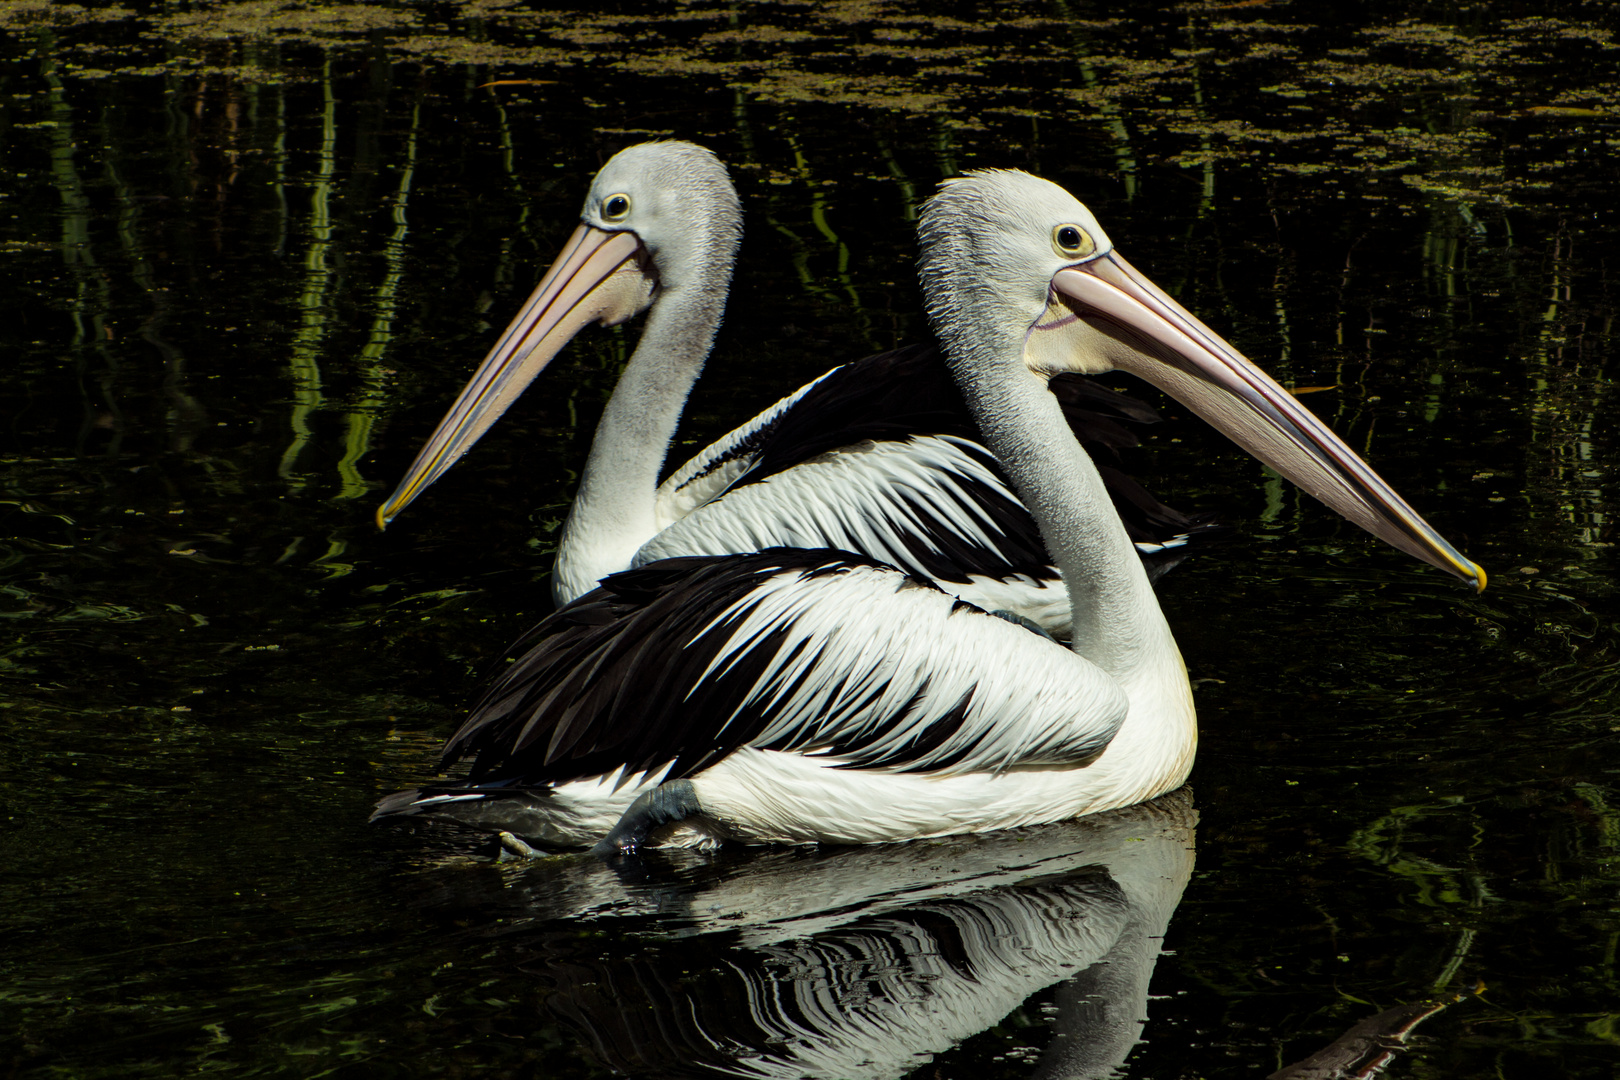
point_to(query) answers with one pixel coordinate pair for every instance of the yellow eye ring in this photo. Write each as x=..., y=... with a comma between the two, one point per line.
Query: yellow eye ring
x=616, y=207
x=1072, y=242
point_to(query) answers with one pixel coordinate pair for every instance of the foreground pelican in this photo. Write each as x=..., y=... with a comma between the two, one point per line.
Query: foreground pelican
x=801, y=696
x=879, y=457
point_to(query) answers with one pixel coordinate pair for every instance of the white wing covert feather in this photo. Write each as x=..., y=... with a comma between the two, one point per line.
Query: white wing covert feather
x=868, y=666
x=920, y=505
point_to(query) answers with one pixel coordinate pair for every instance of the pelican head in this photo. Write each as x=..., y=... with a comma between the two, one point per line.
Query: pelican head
x=661, y=220
x=1044, y=271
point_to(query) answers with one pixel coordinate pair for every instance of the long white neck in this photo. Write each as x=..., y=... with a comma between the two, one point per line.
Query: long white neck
x=1117, y=622
x=613, y=512
x=1116, y=618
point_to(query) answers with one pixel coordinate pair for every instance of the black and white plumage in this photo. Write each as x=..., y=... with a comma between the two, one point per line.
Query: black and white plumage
x=802, y=696
x=863, y=704
x=666, y=671
x=880, y=457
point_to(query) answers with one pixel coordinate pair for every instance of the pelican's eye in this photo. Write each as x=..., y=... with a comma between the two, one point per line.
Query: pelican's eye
x=616, y=207
x=1071, y=242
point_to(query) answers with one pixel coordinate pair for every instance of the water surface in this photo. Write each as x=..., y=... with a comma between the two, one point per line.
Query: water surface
x=252, y=250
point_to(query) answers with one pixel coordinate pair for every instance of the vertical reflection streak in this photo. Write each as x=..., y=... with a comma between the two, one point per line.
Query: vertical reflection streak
x=91, y=297
x=385, y=303
x=1113, y=122
x=278, y=155
x=504, y=264
x=818, y=217
x=312, y=302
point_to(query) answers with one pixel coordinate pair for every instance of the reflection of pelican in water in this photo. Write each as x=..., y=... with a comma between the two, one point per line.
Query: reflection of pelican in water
x=813, y=696
x=866, y=962
x=863, y=963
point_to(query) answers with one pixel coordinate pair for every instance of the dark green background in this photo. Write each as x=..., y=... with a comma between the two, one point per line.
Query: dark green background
x=251, y=251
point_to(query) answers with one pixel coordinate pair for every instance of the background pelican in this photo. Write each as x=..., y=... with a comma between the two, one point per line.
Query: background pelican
x=879, y=457
x=802, y=696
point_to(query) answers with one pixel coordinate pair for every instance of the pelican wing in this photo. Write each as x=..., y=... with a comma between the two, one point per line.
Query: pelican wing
x=721, y=464
x=909, y=391
x=869, y=418
x=675, y=665
x=934, y=506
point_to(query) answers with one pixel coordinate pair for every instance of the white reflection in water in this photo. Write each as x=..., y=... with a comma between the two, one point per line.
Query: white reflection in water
x=864, y=963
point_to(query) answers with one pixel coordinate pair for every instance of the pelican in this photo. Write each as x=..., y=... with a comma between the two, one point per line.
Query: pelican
x=803, y=696
x=879, y=457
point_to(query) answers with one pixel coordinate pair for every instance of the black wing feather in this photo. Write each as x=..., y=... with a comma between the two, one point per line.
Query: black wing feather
x=585, y=699
x=907, y=392
x=596, y=685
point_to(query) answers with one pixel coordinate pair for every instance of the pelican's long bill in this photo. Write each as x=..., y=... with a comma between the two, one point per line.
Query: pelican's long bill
x=1171, y=348
x=597, y=278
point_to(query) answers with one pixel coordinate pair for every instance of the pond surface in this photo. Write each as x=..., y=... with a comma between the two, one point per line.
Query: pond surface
x=252, y=250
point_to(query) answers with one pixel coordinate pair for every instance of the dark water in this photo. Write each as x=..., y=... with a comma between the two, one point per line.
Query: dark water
x=251, y=251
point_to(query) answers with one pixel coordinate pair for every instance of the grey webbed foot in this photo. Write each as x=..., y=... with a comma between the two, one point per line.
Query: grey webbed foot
x=665, y=804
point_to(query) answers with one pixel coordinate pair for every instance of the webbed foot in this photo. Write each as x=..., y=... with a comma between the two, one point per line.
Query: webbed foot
x=665, y=804
x=516, y=845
